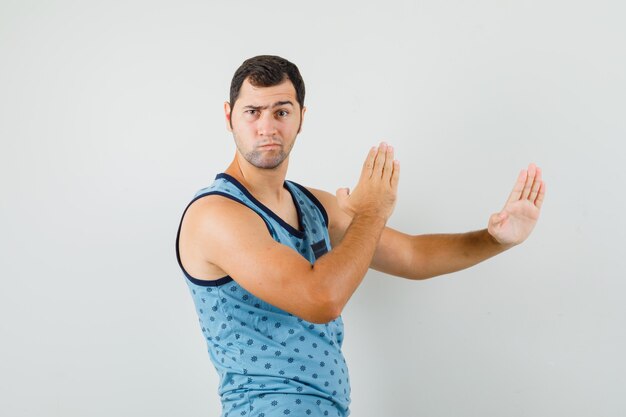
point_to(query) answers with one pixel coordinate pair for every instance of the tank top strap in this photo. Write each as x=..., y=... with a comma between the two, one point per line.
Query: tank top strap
x=309, y=203
x=225, y=186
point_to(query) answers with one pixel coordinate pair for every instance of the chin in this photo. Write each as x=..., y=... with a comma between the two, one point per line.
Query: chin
x=266, y=163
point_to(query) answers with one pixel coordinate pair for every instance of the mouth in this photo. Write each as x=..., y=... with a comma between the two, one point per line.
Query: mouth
x=270, y=146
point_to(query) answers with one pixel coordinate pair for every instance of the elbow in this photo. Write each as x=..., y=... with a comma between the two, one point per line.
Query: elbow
x=323, y=309
x=323, y=317
x=333, y=310
x=326, y=315
x=419, y=275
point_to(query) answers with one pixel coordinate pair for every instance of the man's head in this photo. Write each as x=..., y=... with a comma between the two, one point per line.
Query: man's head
x=266, y=110
x=266, y=71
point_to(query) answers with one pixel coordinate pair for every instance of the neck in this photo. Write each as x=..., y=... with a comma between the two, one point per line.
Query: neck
x=264, y=184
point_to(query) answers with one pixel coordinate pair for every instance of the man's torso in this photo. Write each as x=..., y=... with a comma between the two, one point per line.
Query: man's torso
x=271, y=362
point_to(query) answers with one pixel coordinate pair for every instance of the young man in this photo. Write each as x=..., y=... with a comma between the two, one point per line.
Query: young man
x=271, y=264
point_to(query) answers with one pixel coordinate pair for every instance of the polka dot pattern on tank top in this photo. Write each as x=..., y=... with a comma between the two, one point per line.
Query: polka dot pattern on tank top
x=272, y=363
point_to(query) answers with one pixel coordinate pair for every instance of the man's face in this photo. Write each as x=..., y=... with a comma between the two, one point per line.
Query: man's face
x=265, y=122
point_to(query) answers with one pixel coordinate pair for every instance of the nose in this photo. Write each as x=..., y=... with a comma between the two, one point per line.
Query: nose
x=266, y=125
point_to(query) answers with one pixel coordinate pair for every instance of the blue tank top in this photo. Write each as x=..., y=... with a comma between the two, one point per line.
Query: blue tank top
x=270, y=362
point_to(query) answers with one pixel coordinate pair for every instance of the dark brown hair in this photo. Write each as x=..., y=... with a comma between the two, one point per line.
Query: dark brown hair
x=266, y=71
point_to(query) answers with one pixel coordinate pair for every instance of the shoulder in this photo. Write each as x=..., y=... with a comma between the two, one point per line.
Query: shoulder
x=216, y=216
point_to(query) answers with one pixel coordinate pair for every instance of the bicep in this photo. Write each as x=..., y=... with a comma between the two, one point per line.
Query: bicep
x=236, y=240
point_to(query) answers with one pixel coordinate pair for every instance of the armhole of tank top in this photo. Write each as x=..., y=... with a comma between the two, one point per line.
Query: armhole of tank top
x=315, y=201
x=214, y=282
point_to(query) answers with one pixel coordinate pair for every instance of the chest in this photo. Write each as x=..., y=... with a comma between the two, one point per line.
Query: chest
x=285, y=210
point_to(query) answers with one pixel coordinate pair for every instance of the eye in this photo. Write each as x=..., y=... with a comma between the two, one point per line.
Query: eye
x=251, y=112
x=282, y=113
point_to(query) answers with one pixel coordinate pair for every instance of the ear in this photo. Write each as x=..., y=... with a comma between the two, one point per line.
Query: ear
x=227, y=111
x=301, y=118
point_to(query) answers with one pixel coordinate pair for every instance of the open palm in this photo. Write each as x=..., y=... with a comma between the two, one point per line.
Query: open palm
x=517, y=219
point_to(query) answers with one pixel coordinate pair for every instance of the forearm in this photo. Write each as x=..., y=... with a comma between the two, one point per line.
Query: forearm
x=438, y=254
x=371, y=202
x=340, y=271
x=441, y=254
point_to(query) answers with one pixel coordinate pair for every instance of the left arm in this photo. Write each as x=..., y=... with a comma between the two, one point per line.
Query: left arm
x=427, y=256
x=431, y=255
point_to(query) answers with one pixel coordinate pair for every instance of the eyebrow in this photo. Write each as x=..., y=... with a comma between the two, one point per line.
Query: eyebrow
x=277, y=104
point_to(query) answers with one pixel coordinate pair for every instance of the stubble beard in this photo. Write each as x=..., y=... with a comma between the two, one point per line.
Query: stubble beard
x=264, y=159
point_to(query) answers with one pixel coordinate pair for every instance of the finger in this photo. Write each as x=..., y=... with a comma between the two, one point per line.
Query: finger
x=532, y=171
x=379, y=163
x=395, y=176
x=342, y=193
x=388, y=168
x=518, y=187
x=368, y=165
x=541, y=195
x=536, y=184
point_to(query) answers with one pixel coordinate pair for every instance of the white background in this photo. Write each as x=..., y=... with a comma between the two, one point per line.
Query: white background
x=111, y=119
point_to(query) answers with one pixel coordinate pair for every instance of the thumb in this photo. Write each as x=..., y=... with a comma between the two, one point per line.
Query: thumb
x=498, y=218
x=342, y=193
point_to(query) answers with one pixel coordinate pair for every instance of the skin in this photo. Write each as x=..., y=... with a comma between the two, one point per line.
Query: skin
x=427, y=256
x=221, y=237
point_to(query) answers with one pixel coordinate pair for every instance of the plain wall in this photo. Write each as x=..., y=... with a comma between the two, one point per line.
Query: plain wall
x=111, y=118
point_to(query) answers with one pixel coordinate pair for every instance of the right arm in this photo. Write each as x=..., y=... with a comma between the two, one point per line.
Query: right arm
x=233, y=238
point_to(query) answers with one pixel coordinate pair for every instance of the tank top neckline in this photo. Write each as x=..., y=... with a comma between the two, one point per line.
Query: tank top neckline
x=299, y=233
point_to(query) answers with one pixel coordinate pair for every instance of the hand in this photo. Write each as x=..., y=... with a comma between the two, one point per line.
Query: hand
x=375, y=193
x=520, y=213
